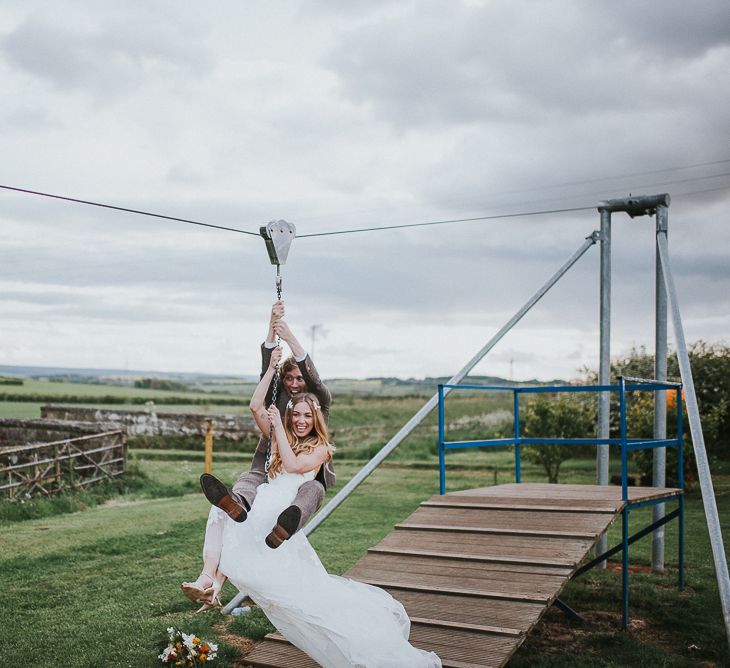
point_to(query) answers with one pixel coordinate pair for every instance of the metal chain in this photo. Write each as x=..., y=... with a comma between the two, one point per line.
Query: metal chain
x=275, y=387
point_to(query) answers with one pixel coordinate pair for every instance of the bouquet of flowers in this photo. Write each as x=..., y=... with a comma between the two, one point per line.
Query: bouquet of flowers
x=187, y=649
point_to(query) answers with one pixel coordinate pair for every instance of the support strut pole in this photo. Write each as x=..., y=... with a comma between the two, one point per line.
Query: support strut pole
x=698, y=439
x=604, y=368
x=457, y=378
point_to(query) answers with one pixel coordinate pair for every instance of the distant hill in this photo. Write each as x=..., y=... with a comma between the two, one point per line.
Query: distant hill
x=368, y=387
x=70, y=373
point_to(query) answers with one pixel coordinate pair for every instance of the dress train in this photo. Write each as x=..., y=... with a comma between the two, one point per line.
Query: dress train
x=339, y=622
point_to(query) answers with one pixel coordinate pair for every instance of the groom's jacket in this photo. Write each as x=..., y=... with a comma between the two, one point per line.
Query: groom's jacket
x=326, y=474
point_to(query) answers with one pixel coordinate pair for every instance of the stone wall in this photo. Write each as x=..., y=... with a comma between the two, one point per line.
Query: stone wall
x=16, y=432
x=153, y=423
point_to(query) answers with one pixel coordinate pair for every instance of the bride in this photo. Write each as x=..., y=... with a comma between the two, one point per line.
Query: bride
x=339, y=622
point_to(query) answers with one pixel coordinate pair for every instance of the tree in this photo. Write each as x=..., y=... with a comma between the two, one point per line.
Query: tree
x=560, y=415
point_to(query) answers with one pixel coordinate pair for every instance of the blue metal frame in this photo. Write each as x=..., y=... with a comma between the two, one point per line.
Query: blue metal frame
x=625, y=444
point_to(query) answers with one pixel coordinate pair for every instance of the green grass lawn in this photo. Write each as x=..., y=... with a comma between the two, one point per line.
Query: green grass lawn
x=98, y=587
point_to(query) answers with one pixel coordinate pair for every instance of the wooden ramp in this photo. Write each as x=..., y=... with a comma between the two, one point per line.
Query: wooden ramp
x=477, y=569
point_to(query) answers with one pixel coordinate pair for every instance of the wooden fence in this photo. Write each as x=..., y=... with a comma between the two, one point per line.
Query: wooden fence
x=72, y=463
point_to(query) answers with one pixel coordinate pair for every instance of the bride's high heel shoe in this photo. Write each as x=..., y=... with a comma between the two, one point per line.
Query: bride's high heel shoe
x=215, y=596
x=197, y=593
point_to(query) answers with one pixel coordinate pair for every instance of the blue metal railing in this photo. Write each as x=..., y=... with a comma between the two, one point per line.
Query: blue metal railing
x=625, y=443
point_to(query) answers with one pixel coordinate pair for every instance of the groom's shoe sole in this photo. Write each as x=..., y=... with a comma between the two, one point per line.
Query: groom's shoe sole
x=286, y=527
x=219, y=495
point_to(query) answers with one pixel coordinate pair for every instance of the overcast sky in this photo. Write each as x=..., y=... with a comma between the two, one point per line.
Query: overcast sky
x=340, y=115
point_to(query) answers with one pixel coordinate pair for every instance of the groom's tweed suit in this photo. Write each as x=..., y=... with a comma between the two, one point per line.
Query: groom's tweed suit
x=310, y=494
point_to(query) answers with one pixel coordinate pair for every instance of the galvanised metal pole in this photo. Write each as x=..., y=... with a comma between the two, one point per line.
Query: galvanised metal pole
x=698, y=439
x=393, y=443
x=604, y=368
x=660, y=396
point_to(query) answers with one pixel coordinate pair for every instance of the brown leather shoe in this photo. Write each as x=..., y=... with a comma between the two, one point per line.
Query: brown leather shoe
x=286, y=527
x=219, y=495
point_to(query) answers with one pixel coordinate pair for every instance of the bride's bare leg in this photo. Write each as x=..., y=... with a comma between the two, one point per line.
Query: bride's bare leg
x=209, y=577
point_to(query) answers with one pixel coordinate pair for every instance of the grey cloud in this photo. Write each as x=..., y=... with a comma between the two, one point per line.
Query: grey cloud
x=673, y=27
x=108, y=58
x=30, y=117
x=517, y=63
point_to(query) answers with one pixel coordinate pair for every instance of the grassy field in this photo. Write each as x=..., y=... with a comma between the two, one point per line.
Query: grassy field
x=92, y=580
x=98, y=587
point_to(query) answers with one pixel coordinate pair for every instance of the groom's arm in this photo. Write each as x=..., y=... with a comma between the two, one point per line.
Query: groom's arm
x=306, y=366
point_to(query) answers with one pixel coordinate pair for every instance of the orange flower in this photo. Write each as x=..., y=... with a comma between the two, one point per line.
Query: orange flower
x=672, y=398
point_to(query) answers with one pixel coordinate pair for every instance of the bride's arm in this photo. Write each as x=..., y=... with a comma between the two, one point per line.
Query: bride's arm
x=258, y=398
x=291, y=463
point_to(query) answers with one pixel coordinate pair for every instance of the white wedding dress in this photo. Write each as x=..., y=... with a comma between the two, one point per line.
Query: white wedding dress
x=339, y=622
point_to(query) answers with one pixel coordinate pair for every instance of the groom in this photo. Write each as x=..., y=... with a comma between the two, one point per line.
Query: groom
x=296, y=375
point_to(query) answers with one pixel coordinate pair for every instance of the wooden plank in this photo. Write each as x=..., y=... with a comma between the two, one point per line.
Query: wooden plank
x=272, y=654
x=373, y=565
x=456, y=649
x=513, y=504
x=520, y=615
x=564, y=520
x=537, y=504
x=538, y=548
x=466, y=647
x=498, y=532
x=396, y=584
x=519, y=588
x=479, y=628
x=588, y=493
x=406, y=562
x=570, y=564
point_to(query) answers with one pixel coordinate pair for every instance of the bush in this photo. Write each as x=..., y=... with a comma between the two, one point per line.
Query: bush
x=161, y=384
x=640, y=424
x=711, y=374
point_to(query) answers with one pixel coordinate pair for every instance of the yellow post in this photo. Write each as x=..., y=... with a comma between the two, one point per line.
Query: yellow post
x=208, y=445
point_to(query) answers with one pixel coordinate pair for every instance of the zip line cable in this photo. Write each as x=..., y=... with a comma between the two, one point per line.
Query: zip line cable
x=390, y=227
x=448, y=222
x=512, y=215
x=122, y=208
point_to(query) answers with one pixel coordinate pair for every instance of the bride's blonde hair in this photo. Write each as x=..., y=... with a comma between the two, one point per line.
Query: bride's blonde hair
x=315, y=438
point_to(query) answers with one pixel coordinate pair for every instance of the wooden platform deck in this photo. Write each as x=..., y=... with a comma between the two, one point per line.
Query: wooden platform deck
x=477, y=569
